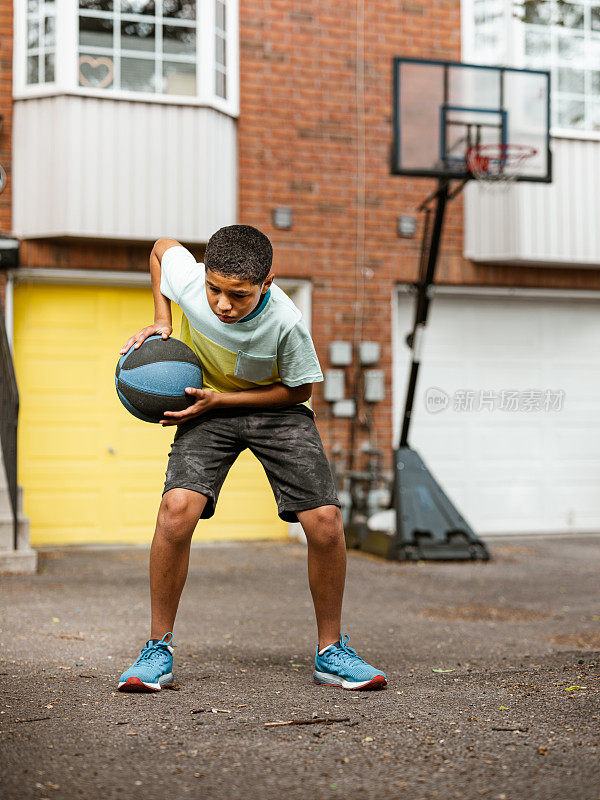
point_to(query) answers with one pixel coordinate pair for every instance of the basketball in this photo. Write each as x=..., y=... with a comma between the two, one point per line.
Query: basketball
x=153, y=378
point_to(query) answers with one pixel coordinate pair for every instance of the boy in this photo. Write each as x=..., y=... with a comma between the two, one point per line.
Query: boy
x=259, y=364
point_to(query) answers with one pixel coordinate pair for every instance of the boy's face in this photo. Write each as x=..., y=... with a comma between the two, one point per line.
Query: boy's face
x=232, y=299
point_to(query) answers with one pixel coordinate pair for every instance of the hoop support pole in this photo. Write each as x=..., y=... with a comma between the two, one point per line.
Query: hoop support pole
x=429, y=257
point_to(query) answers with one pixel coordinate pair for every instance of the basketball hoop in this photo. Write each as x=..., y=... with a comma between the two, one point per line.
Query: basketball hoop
x=497, y=164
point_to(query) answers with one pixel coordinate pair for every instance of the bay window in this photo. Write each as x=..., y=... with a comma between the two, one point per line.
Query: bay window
x=40, y=46
x=165, y=50
x=555, y=35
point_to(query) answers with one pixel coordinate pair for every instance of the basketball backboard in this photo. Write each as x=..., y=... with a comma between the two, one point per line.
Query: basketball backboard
x=443, y=108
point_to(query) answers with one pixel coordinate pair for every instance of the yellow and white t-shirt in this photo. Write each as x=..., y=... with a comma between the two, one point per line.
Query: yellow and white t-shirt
x=270, y=345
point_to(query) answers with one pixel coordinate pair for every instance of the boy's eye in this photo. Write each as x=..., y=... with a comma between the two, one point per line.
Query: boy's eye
x=214, y=290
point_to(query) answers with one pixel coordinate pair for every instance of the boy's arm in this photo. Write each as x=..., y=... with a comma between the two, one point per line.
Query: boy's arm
x=162, y=305
x=274, y=396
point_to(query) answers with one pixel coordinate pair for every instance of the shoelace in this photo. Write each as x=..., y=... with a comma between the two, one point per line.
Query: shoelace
x=345, y=653
x=152, y=652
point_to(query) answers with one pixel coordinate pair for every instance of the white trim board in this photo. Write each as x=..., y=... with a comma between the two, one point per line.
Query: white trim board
x=79, y=276
x=506, y=291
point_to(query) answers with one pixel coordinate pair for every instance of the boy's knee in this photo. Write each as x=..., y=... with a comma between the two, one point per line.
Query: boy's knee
x=327, y=528
x=329, y=516
x=180, y=509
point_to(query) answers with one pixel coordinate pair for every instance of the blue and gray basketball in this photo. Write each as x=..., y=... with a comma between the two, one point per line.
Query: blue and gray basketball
x=153, y=378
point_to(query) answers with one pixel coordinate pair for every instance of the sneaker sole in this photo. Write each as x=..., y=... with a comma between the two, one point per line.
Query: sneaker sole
x=137, y=685
x=324, y=679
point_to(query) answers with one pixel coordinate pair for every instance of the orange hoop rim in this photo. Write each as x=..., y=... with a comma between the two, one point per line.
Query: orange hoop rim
x=497, y=162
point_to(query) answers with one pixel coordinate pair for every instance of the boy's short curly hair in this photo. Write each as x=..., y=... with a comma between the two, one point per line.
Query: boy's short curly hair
x=239, y=251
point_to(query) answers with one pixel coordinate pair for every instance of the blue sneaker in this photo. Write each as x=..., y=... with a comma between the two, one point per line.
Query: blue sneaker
x=153, y=668
x=338, y=665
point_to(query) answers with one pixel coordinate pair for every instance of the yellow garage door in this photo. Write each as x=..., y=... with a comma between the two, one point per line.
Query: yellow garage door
x=90, y=471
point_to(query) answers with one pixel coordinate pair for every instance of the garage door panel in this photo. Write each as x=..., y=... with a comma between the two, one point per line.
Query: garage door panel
x=504, y=374
x=575, y=443
x=74, y=509
x=229, y=504
x=520, y=441
x=91, y=472
x=580, y=502
x=137, y=473
x=486, y=323
x=506, y=475
x=447, y=444
x=134, y=505
x=441, y=374
x=517, y=507
x=133, y=438
x=65, y=476
x=57, y=442
x=510, y=471
x=68, y=316
x=58, y=375
x=60, y=408
x=570, y=326
x=578, y=383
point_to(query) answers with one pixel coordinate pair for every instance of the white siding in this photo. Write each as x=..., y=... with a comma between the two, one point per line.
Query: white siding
x=124, y=170
x=540, y=224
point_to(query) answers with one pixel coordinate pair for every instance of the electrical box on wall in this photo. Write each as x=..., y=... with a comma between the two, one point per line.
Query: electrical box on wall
x=374, y=385
x=282, y=218
x=344, y=408
x=407, y=226
x=333, y=387
x=340, y=354
x=369, y=353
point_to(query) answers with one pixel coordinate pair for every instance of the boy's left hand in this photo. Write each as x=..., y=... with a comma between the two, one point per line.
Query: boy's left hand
x=206, y=400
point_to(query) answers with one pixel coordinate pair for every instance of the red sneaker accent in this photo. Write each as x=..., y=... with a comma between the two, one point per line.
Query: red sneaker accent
x=378, y=682
x=136, y=685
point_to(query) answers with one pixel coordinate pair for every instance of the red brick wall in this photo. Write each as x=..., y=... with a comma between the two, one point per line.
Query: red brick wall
x=6, y=54
x=300, y=146
x=94, y=254
x=6, y=49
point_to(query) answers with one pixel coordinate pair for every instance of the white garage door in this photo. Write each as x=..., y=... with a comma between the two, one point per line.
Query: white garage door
x=507, y=409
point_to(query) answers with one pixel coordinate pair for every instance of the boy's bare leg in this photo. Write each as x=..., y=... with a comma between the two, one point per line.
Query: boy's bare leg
x=179, y=512
x=326, y=568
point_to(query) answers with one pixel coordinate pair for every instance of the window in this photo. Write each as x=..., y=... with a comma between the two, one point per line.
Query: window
x=181, y=50
x=555, y=35
x=145, y=46
x=41, y=41
x=489, y=29
x=565, y=37
x=220, y=49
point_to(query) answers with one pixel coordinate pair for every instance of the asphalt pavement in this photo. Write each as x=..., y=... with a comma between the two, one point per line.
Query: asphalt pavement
x=494, y=679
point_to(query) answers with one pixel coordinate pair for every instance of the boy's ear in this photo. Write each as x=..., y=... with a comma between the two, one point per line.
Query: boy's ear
x=268, y=282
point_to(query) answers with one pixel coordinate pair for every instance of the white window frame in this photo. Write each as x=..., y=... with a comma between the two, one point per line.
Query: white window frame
x=514, y=34
x=66, y=78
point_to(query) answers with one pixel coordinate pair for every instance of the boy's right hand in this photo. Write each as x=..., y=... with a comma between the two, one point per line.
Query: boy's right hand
x=164, y=328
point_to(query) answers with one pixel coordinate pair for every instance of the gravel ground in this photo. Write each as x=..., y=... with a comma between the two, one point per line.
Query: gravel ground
x=514, y=714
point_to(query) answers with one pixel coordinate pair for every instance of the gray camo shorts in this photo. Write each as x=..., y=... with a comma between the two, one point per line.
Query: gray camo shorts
x=285, y=441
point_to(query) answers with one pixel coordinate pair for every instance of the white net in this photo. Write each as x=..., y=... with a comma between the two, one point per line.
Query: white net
x=498, y=164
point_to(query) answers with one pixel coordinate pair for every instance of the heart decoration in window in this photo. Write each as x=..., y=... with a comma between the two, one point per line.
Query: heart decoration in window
x=98, y=73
